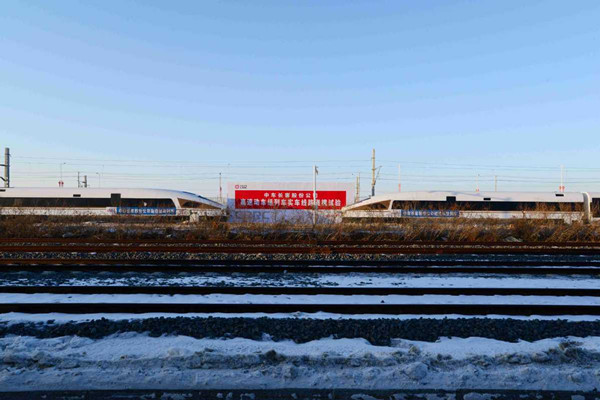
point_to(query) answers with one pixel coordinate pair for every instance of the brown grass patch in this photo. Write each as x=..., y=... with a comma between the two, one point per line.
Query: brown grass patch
x=418, y=229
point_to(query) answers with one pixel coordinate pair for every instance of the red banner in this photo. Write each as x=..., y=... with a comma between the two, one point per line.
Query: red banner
x=289, y=199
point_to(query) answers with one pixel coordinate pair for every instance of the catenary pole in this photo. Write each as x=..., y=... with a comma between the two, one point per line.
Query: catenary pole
x=6, y=166
x=357, y=196
x=373, y=174
x=315, y=206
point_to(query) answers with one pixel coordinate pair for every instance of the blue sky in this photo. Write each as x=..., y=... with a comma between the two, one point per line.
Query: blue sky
x=169, y=94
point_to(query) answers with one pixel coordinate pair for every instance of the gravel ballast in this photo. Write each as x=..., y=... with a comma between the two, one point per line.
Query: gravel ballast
x=376, y=331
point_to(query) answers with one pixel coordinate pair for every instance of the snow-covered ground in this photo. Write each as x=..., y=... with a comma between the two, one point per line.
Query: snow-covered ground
x=296, y=280
x=57, y=318
x=219, y=298
x=133, y=360
x=139, y=361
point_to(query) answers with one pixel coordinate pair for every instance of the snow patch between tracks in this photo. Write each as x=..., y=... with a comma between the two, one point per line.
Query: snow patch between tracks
x=134, y=360
x=61, y=318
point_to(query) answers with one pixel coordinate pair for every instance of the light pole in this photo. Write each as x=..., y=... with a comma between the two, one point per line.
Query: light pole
x=61, y=182
x=315, y=206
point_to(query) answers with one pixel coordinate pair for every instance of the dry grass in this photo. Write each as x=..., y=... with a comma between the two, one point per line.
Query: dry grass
x=450, y=229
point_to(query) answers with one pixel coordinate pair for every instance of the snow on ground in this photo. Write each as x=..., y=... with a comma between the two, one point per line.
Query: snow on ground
x=137, y=361
x=295, y=280
x=219, y=298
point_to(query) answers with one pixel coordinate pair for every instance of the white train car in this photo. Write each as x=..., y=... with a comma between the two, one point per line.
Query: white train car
x=106, y=201
x=500, y=205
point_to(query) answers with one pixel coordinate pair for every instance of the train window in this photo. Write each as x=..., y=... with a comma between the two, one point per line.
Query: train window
x=559, y=194
x=194, y=204
x=382, y=205
x=2, y=190
x=596, y=207
x=487, y=198
x=49, y=202
x=115, y=199
x=419, y=205
x=76, y=195
x=154, y=203
x=451, y=199
x=488, y=205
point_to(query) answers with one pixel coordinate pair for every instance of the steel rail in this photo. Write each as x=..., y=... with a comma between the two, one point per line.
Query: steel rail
x=296, y=250
x=274, y=290
x=282, y=269
x=316, y=242
x=304, y=262
x=294, y=263
x=391, y=309
x=293, y=394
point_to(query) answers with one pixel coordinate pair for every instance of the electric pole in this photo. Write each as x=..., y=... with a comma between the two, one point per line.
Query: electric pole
x=6, y=166
x=61, y=183
x=315, y=205
x=85, y=181
x=357, y=196
x=78, y=181
x=373, y=174
x=220, y=189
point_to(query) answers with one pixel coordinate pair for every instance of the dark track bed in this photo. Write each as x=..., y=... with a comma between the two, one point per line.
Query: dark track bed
x=376, y=331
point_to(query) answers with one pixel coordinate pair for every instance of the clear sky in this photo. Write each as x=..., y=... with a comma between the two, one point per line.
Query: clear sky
x=168, y=94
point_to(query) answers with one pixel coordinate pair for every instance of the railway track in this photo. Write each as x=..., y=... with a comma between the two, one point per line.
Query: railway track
x=305, y=242
x=343, y=305
x=276, y=290
x=418, y=262
x=313, y=266
x=340, y=270
x=375, y=309
x=325, y=247
x=527, y=259
x=324, y=250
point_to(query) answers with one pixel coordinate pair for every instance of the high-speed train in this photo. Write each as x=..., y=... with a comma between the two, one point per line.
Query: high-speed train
x=106, y=201
x=439, y=204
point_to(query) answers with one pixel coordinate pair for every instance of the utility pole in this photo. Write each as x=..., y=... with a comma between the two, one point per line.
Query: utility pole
x=315, y=205
x=78, y=181
x=6, y=166
x=85, y=181
x=61, y=183
x=373, y=174
x=220, y=189
x=357, y=196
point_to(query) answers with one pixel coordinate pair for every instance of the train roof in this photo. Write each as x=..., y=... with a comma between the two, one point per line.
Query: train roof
x=144, y=193
x=538, y=197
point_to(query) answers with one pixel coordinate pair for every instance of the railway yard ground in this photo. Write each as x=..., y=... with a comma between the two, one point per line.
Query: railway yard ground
x=441, y=310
